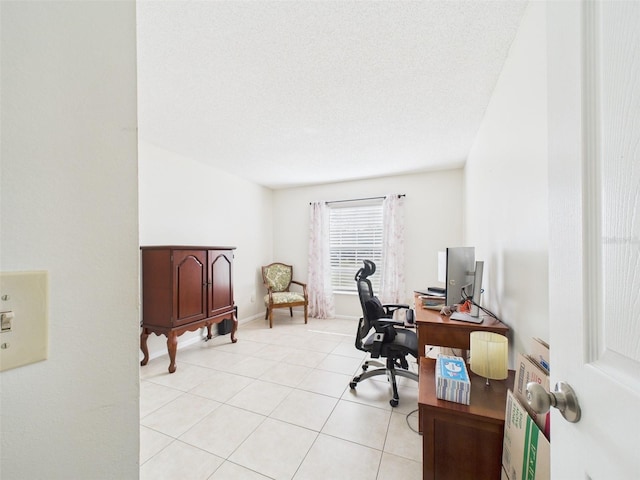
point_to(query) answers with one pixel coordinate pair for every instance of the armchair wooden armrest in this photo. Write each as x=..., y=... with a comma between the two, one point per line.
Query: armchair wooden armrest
x=303, y=285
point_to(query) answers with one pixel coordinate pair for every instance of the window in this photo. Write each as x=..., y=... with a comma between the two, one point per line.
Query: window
x=355, y=234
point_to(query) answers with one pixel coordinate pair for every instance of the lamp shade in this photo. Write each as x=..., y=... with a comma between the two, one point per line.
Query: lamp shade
x=489, y=355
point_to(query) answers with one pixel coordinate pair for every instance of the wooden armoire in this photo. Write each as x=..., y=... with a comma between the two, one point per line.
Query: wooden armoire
x=185, y=288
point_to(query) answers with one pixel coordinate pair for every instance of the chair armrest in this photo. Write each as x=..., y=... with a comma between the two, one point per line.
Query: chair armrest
x=269, y=292
x=303, y=285
x=381, y=323
x=391, y=308
x=409, y=315
x=395, y=306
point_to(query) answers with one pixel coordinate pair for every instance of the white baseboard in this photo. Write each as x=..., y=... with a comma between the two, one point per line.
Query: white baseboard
x=186, y=342
x=346, y=317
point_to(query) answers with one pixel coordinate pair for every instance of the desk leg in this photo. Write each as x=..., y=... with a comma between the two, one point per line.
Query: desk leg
x=422, y=341
x=428, y=447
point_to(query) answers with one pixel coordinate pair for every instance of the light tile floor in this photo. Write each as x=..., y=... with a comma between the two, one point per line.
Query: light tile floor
x=276, y=405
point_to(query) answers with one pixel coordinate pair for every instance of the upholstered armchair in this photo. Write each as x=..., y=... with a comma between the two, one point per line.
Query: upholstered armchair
x=278, y=278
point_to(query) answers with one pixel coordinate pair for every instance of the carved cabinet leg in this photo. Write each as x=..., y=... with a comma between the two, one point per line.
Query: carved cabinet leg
x=234, y=328
x=143, y=346
x=172, y=347
x=209, y=331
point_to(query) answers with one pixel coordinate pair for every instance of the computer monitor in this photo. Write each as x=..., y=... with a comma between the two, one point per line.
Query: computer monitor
x=460, y=271
x=477, y=290
x=473, y=292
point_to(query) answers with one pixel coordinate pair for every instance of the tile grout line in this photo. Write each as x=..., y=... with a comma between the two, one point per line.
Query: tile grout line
x=293, y=389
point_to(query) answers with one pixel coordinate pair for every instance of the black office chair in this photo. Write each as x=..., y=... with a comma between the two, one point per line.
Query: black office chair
x=388, y=339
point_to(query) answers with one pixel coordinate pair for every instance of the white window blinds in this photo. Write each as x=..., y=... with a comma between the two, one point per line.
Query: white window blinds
x=355, y=235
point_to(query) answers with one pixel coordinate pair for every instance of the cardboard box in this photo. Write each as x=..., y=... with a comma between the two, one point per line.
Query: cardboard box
x=528, y=371
x=503, y=474
x=525, y=450
x=452, y=379
x=540, y=353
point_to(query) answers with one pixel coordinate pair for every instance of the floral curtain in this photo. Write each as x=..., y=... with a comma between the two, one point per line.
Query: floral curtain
x=319, y=275
x=392, y=268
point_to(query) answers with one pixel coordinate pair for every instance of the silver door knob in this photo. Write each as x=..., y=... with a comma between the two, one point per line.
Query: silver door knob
x=564, y=399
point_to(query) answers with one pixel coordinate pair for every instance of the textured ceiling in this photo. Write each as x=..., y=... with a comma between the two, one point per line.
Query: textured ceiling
x=306, y=92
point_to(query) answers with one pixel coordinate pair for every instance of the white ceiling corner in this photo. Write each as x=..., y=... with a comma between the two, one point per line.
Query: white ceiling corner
x=291, y=93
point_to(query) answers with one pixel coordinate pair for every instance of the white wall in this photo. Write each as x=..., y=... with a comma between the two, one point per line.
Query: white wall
x=69, y=206
x=507, y=188
x=185, y=202
x=433, y=221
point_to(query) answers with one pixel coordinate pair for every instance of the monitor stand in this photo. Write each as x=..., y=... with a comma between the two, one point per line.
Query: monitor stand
x=465, y=317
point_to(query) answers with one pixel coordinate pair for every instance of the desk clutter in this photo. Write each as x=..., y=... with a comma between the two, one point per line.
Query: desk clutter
x=526, y=445
x=432, y=298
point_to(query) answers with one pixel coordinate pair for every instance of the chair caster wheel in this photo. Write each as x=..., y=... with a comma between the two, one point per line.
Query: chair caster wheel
x=353, y=384
x=393, y=402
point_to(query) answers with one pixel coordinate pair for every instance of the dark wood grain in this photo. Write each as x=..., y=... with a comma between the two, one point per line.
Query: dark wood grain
x=184, y=289
x=462, y=441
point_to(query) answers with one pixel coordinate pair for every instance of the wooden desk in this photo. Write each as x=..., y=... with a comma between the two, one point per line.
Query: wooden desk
x=462, y=441
x=436, y=329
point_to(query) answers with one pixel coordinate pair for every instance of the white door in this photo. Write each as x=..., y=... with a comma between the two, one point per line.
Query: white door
x=594, y=248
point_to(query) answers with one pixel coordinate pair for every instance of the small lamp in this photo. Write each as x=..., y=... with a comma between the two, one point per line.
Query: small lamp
x=489, y=355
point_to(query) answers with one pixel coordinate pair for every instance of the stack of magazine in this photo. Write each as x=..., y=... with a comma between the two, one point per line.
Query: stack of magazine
x=433, y=298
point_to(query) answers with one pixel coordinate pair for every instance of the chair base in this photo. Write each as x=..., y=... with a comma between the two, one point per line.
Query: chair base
x=375, y=363
x=391, y=374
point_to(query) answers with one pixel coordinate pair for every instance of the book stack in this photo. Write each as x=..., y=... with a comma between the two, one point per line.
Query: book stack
x=433, y=298
x=452, y=379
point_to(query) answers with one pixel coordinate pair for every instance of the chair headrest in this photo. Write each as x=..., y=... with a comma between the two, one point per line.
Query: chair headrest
x=366, y=271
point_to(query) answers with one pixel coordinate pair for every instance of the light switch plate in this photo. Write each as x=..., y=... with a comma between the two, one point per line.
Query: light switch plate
x=26, y=294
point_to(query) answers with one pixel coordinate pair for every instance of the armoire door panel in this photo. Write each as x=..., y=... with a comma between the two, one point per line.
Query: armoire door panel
x=190, y=286
x=157, y=288
x=221, y=278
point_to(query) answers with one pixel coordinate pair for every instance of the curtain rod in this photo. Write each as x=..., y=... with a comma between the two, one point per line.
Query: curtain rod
x=359, y=199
